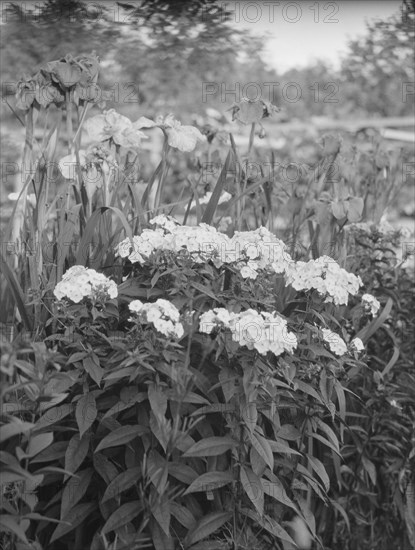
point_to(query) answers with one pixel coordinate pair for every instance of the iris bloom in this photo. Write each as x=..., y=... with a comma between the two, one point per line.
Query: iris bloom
x=119, y=128
x=181, y=137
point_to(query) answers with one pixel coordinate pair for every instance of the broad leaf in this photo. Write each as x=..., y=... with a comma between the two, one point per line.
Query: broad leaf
x=86, y=412
x=211, y=446
x=74, y=518
x=208, y=525
x=210, y=481
x=120, y=436
x=122, y=515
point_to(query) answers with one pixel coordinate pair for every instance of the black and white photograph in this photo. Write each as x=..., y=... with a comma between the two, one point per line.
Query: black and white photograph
x=207, y=275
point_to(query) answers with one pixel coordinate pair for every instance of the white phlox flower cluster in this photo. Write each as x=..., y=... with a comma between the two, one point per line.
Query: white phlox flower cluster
x=371, y=304
x=336, y=344
x=257, y=250
x=79, y=282
x=357, y=345
x=140, y=248
x=162, y=314
x=265, y=332
x=249, y=251
x=326, y=276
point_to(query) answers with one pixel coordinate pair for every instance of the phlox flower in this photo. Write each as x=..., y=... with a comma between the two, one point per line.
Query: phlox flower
x=262, y=331
x=371, y=304
x=357, y=345
x=336, y=344
x=79, y=282
x=162, y=314
x=167, y=223
x=326, y=276
x=214, y=318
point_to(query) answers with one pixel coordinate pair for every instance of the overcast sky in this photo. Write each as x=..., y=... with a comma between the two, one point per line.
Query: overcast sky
x=299, y=32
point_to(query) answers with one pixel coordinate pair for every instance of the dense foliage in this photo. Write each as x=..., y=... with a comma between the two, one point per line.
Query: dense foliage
x=202, y=384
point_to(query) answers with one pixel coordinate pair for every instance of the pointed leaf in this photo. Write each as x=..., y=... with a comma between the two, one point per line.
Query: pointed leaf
x=210, y=481
x=122, y=515
x=120, y=436
x=38, y=443
x=76, y=452
x=74, y=490
x=86, y=412
x=253, y=488
x=122, y=482
x=74, y=518
x=208, y=525
x=211, y=446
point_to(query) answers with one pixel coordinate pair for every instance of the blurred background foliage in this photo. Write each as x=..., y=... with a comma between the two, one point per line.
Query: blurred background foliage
x=168, y=48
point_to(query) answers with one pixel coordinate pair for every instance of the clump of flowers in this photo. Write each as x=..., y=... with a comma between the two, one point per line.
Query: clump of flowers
x=248, y=251
x=357, y=345
x=371, y=304
x=257, y=250
x=140, y=248
x=79, y=282
x=326, y=276
x=162, y=314
x=336, y=344
x=263, y=331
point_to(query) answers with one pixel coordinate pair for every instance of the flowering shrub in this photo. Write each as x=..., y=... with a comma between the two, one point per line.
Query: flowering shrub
x=183, y=387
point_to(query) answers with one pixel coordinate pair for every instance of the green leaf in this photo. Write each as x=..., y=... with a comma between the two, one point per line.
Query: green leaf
x=95, y=371
x=253, y=488
x=263, y=448
x=122, y=482
x=210, y=481
x=182, y=472
x=158, y=401
x=161, y=513
x=74, y=518
x=320, y=470
x=38, y=443
x=14, y=427
x=217, y=192
x=276, y=490
x=76, y=452
x=122, y=515
x=211, y=446
x=208, y=525
x=120, y=437
x=86, y=412
x=203, y=290
x=306, y=388
x=370, y=469
x=366, y=332
x=17, y=293
x=88, y=235
x=74, y=490
x=183, y=515
x=53, y=415
x=326, y=442
x=289, y=432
